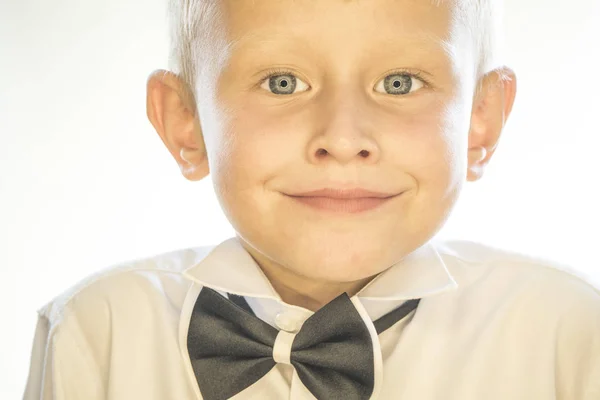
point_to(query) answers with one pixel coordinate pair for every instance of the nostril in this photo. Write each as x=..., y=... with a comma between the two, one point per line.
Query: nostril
x=321, y=152
x=364, y=153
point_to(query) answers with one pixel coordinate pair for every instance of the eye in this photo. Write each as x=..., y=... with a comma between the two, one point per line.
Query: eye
x=282, y=83
x=400, y=83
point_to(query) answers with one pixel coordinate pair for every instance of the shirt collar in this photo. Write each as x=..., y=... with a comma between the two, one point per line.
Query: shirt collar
x=230, y=268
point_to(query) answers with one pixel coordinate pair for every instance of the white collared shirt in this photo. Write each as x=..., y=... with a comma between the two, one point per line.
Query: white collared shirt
x=491, y=325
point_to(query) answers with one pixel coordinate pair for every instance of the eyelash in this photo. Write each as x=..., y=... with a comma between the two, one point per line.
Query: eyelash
x=278, y=71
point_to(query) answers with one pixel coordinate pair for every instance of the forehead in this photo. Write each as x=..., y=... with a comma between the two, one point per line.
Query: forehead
x=327, y=24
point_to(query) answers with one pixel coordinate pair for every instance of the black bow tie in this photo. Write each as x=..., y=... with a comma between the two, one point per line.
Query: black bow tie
x=230, y=348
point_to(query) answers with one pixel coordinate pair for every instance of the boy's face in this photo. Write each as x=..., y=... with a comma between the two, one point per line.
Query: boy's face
x=345, y=110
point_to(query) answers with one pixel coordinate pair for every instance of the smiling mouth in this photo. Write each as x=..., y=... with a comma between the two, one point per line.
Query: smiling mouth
x=343, y=193
x=351, y=205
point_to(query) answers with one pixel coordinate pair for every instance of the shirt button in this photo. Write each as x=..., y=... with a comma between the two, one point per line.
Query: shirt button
x=286, y=322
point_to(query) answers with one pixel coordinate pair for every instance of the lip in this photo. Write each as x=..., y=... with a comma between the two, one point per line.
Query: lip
x=354, y=193
x=346, y=201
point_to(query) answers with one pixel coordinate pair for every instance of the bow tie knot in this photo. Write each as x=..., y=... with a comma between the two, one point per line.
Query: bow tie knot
x=282, y=348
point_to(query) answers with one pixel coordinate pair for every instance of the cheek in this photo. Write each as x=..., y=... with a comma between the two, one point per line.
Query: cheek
x=253, y=149
x=434, y=145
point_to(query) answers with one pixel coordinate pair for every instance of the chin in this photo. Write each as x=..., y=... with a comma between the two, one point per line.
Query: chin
x=342, y=265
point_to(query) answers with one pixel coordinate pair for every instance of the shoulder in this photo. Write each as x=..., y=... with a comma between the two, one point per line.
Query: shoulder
x=526, y=278
x=98, y=322
x=538, y=306
x=143, y=279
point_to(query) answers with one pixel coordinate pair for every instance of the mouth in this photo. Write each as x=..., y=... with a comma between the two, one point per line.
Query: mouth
x=344, y=202
x=354, y=193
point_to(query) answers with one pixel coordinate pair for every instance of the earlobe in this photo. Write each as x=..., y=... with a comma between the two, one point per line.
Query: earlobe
x=476, y=164
x=491, y=109
x=172, y=113
x=195, y=164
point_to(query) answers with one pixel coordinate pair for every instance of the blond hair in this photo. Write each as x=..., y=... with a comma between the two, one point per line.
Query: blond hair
x=194, y=25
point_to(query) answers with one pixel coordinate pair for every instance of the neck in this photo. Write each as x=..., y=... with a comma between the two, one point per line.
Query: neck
x=300, y=290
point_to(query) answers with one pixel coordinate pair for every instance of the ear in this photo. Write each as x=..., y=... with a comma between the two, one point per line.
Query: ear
x=172, y=112
x=491, y=107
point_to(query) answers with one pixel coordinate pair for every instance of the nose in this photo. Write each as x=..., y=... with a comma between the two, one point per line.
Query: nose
x=343, y=134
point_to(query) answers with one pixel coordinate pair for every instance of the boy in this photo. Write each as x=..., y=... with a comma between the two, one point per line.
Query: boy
x=338, y=135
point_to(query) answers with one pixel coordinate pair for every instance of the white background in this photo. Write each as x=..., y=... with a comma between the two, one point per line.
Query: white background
x=85, y=182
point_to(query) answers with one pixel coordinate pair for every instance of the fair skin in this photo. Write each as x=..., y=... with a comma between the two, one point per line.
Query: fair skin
x=339, y=125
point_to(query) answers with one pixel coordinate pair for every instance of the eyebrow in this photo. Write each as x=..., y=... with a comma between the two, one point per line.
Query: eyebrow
x=260, y=39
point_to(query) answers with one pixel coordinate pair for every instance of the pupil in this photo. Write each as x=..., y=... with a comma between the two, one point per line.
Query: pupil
x=284, y=83
x=396, y=84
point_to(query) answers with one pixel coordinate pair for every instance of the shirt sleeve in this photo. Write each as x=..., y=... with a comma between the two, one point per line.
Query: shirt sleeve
x=578, y=350
x=35, y=385
x=61, y=367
